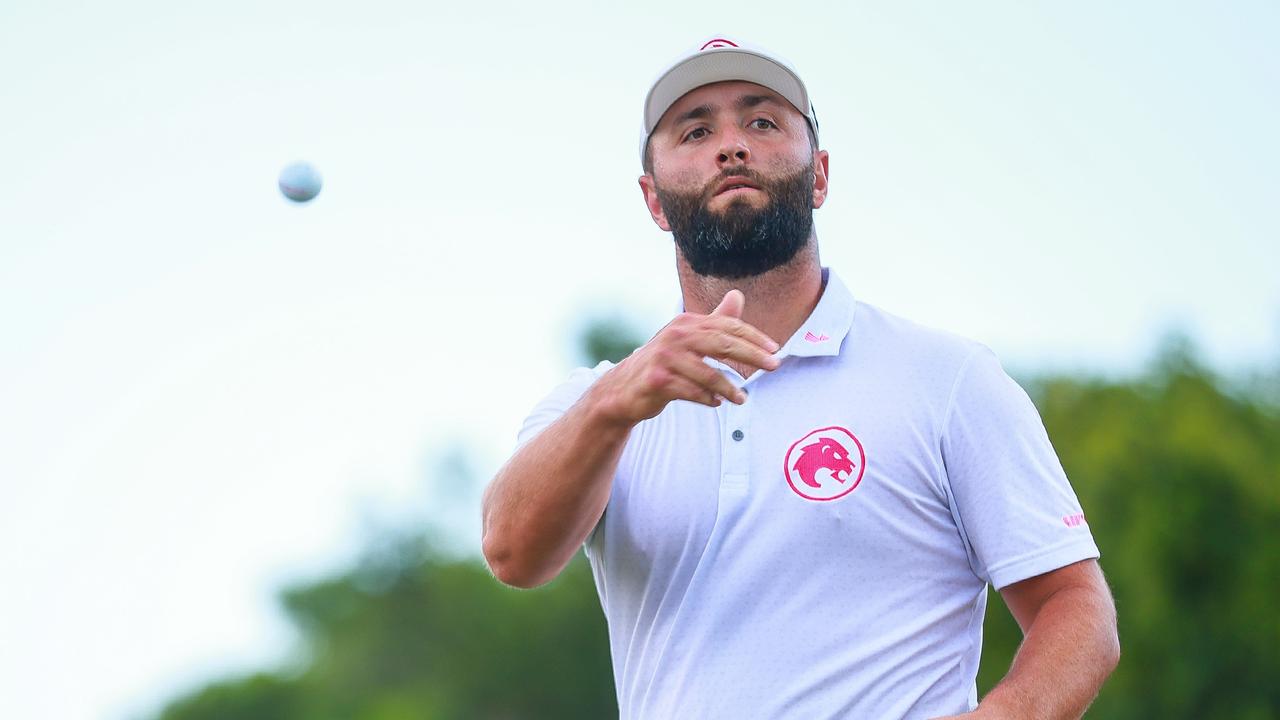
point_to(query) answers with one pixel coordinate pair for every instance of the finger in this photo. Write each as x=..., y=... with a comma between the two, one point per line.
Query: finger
x=731, y=305
x=682, y=388
x=744, y=330
x=725, y=346
x=708, y=378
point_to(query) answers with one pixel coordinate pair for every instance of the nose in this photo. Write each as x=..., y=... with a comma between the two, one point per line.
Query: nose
x=733, y=151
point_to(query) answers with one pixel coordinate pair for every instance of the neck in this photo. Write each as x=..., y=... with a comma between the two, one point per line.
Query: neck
x=777, y=302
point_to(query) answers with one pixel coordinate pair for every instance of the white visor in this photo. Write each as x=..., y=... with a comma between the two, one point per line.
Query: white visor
x=720, y=60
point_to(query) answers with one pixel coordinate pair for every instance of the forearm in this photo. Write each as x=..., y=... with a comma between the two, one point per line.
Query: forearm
x=1068, y=651
x=544, y=502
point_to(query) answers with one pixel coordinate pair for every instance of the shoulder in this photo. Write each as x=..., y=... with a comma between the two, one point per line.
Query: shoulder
x=560, y=399
x=910, y=343
x=580, y=379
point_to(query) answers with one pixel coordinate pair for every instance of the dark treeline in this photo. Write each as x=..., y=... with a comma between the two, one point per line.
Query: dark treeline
x=1178, y=472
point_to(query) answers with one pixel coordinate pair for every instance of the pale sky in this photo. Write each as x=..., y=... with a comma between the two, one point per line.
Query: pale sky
x=206, y=391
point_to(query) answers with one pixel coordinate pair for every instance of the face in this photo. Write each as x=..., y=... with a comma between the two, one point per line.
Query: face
x=735, y=179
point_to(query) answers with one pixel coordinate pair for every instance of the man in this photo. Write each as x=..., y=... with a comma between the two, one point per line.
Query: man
x=793, y=502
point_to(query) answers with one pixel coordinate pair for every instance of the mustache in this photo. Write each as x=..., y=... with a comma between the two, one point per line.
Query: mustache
x=740, y=171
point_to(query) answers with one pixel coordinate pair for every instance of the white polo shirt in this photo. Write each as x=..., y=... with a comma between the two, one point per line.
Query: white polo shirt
x=823, y=551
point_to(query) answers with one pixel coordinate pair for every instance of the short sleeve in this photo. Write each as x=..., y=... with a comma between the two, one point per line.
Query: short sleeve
x=559, y=401
x=1010, y=497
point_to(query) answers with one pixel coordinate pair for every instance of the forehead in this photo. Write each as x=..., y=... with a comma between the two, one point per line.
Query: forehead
x=721, y=95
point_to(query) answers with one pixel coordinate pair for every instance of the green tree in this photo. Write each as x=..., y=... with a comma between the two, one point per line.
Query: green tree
x=411, y=634
x=1180, y=481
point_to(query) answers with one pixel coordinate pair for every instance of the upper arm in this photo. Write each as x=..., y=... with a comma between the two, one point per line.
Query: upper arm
x=1025, y=598
x=1016, y=512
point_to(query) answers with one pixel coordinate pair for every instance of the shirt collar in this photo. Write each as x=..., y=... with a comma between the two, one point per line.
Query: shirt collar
x=824, y=331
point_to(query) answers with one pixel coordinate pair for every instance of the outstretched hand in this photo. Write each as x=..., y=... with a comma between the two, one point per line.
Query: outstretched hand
x=670, y=366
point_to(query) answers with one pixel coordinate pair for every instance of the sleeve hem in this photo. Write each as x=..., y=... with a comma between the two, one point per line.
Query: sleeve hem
x=1042, y=561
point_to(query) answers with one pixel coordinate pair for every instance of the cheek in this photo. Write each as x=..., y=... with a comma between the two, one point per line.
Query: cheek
x=676, y=176
x=683, y=169
x=791, y=160
x=683, y=182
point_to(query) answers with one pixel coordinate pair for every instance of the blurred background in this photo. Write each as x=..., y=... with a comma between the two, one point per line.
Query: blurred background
x=243, y=441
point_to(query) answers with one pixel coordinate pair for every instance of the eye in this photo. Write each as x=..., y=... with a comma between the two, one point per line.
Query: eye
x=762, y=124
x=696, y=134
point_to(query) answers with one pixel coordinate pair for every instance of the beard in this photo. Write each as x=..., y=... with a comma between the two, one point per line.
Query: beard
x=742, y=241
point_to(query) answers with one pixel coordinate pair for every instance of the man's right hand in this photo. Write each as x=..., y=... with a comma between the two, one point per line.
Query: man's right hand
x=670, y=366
x=543, y=503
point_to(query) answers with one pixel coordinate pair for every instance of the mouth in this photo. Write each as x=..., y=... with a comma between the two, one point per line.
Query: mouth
x=735, y=185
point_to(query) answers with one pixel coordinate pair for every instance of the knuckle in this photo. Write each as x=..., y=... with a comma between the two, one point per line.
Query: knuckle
x=710, y=376
x=657, y=378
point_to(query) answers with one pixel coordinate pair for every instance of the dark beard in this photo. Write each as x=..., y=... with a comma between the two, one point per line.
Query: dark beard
x=743, y=241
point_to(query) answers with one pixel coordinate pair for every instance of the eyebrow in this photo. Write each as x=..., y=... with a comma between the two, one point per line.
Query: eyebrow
x=746, y=102
x=699, y=113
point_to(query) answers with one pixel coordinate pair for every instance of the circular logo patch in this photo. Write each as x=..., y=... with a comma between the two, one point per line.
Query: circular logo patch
x=826, y=464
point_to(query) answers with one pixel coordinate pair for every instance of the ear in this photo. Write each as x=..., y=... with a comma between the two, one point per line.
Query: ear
x=821, y=168
x=651, y=201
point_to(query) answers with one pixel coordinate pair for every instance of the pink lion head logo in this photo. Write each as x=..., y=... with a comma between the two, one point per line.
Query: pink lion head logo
x=825, y=453
x=833, y=449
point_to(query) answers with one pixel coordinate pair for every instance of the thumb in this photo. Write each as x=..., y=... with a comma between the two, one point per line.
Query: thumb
x=731, y=305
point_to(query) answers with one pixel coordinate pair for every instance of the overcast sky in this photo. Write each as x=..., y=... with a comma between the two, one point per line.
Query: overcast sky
x=206, y=391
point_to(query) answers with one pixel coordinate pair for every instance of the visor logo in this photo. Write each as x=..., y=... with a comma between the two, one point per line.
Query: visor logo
x=717, y=43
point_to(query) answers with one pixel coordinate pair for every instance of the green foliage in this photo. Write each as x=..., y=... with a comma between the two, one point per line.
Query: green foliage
x=1179, y=476
x=610, y=340
x=414, y=635
x=258, y=697
x=1180, y=481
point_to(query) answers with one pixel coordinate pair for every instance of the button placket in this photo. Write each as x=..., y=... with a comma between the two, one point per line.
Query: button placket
x=735, y=466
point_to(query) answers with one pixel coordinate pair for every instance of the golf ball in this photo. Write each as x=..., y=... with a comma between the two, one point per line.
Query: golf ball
x=300, y=182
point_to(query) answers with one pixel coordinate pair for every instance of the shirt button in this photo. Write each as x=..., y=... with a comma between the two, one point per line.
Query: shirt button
x=738, y=435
